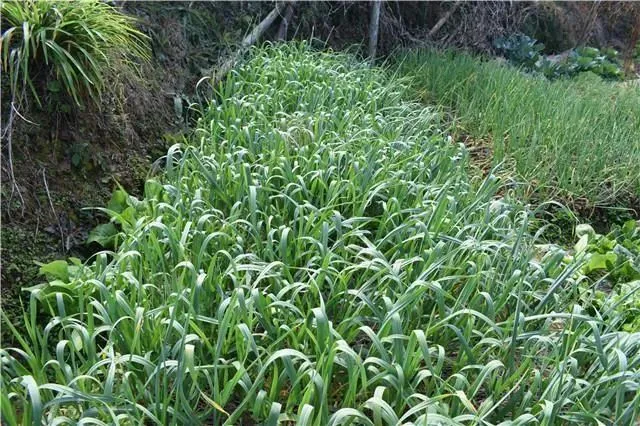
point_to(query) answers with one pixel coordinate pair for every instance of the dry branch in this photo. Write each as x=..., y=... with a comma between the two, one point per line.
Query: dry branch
x=443, y=20
x=247, y=42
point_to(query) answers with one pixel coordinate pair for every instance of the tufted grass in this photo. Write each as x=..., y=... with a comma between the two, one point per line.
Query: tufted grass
x=65, y=45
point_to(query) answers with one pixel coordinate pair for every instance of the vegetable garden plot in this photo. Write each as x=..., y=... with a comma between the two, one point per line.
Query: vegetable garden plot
x=317, y=253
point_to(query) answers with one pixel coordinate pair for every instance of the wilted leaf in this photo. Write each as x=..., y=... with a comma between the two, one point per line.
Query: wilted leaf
x=582, y=244
x=585, y=229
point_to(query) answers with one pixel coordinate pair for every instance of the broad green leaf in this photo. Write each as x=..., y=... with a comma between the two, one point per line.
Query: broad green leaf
x=58, y=269
x=104, y=234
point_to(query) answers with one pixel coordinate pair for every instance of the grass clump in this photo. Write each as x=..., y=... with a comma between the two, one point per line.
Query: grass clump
x=64, y=45
x=316, y=253
x=578, y=139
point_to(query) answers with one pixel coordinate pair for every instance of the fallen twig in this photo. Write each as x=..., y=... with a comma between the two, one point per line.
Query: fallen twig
x=46, y=187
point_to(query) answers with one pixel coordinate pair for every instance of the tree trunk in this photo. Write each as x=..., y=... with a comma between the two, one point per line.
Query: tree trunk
x=633, y=40
x=284, y=25
x=374, y=26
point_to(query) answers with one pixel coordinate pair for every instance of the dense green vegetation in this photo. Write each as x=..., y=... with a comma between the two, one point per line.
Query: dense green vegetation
x=67, y=45
x=575, y=139
x=526, y=52
x=615, y=258
x=318, y=252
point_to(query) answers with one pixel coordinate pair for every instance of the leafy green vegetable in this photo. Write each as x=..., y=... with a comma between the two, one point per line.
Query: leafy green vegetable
x=525, y=51
x=104, y=234
x=58, y=269
x=617, y=254
x=520, y=49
